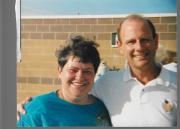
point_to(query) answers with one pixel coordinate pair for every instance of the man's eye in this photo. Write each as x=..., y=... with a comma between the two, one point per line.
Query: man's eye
x=88, y=72
x=130, y=42
x=146, y=40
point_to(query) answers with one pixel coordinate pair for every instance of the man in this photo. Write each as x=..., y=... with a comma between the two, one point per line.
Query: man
x=144, y=93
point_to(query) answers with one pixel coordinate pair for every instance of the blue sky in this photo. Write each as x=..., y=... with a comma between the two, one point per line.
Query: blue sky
x=95, y=7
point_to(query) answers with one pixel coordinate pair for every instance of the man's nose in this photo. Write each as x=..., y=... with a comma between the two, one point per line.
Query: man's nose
x=139, y=45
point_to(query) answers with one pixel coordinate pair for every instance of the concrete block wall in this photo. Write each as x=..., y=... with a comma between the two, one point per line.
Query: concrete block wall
x=37, y=71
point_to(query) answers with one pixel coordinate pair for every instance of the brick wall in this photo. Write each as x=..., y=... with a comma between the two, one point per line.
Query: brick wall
x=37, y=71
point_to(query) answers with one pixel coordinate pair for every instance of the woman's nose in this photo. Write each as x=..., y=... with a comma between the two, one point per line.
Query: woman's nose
x=79, y=75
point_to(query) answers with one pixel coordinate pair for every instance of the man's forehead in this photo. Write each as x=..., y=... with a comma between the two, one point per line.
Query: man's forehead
x=136, y=27
x=132, y=22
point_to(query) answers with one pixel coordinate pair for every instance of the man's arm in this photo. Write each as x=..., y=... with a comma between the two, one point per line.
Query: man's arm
x=20, y=107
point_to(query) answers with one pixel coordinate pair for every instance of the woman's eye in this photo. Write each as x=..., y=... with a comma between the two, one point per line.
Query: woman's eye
x=72, y=70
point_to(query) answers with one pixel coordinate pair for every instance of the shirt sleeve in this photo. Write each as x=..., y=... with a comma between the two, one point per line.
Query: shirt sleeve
x=33, y=116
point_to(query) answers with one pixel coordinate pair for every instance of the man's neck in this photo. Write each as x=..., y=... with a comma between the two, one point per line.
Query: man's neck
x=146, y=75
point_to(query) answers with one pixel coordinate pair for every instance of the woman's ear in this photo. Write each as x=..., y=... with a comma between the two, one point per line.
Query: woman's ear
x=59, y=71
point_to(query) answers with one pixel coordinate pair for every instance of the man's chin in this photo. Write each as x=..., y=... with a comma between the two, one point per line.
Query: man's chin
x=141, y=64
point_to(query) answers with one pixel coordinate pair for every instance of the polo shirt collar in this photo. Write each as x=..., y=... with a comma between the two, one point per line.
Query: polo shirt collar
x=127, y=74
x=162, y=79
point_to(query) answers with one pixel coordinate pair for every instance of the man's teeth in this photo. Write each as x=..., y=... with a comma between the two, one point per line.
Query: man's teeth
x=143, y=55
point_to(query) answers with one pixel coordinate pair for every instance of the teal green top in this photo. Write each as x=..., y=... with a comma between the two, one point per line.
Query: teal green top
x=49, y=110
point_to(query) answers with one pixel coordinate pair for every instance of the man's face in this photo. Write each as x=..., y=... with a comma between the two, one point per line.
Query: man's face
x=77, y=78
x=138, y=45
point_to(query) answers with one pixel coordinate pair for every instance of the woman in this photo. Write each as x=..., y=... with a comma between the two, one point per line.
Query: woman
x=71, y=105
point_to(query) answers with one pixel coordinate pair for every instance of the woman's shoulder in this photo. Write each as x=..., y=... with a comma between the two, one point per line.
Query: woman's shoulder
x=39, y=102
x=96, y=101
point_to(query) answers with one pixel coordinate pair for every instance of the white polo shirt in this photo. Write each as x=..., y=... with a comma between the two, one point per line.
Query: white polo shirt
x=132, y=104
x=171, y=66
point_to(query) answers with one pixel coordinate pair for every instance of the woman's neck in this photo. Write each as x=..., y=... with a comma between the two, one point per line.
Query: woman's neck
x=86, y=99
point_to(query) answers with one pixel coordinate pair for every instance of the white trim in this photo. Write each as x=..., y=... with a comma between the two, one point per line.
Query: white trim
x=18, y=40
x=96, y=16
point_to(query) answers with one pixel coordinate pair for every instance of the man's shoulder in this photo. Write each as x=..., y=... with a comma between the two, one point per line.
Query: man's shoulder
x=169, y=76
x=171, y=66
x=110, y=77
x=114, y=74
x=170, y=73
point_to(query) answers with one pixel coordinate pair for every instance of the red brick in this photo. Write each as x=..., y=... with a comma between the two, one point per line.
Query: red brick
x=167, y=36
x=69, y=28
x=48, y=81
x=161, y=27
x=90, y=21
x=117, y=20
x=63, y=21
x=29, y=28
x=62, y=36
x=48, y=36
x=42, y=28
x=83, y=28
x=25, y=35
x=21, y=79
x=105, y=21
x=97, y=28
x=36, y=36
x=91, y=36
x=33, y=80
x=168, y=19
x=76, y=21
x=110, y=28
x=50, y=21
x=104, y=36
x=56, y=28
x=154, y=19
x=31, y=21
x=172, y=28
x=57, y=81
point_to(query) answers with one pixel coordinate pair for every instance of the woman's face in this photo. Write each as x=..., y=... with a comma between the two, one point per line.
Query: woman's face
x=77, y=78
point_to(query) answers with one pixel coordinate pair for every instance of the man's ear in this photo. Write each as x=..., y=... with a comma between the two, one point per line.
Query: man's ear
x=120, y=46
x=118, y=43
x=157, y=41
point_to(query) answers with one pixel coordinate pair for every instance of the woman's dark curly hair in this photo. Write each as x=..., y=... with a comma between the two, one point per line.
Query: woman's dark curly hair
x=82, y=48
